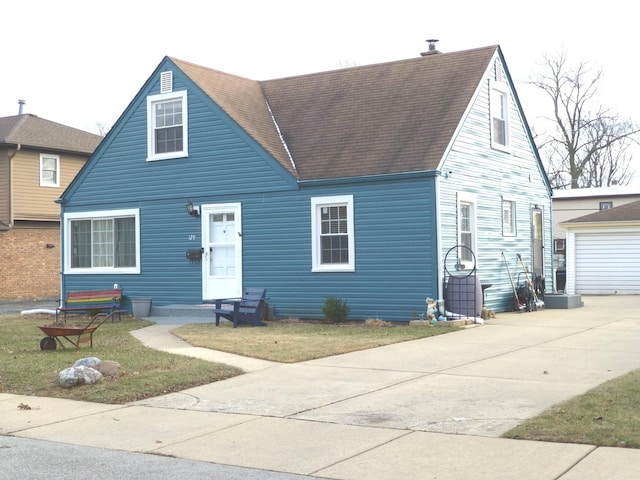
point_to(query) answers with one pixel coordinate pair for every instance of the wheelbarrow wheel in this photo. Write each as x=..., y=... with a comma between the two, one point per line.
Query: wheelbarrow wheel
x=48, y=343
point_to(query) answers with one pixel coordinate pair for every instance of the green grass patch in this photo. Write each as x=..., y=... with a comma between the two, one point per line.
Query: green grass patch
x=606, y=415
x=27, y=370
x=290, y=341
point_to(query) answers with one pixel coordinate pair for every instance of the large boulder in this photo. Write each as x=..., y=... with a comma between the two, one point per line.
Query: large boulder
x=80, y=375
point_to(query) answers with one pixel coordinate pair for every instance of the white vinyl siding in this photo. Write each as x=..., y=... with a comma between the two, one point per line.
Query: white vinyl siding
x=490, y=174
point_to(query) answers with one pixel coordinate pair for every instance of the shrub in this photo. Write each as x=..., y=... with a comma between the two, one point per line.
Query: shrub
x=335, y=310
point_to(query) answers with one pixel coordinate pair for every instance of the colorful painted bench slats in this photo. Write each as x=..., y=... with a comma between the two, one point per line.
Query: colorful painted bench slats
x=85, y=301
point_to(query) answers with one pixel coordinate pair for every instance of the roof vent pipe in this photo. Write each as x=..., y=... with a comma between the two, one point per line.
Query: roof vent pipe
x=20, y=105
x=432, y=47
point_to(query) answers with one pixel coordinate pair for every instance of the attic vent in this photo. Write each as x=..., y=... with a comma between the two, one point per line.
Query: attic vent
x=500, y=75
x=166, y=82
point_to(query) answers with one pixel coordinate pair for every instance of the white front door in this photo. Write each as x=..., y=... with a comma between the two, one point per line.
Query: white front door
x=222, y=259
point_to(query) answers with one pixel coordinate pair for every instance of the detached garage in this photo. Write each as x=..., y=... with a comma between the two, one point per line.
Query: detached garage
x=603, y=252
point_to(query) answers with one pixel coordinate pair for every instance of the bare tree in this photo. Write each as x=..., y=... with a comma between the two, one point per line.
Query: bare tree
x=589, y=146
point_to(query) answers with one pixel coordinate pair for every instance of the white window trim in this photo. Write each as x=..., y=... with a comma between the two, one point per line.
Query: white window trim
x=514, y=223
x=470, y=198
x=163, y=97
x=503, y=89
x=43, y=183
x=68, y=217
x=316, y=204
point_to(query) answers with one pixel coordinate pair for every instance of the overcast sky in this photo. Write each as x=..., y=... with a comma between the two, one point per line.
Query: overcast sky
x=80, y=62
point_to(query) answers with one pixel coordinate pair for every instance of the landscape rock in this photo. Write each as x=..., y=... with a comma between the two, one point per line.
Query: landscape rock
x=80, y=375
x=87, y=362
x=109, y=368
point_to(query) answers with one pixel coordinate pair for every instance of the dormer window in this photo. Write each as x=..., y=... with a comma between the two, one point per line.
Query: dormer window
x=167, y=133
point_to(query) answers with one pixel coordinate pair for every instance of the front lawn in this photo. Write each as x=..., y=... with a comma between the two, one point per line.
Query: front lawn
x=27, y=370
x=607, y=416
x=290, y=341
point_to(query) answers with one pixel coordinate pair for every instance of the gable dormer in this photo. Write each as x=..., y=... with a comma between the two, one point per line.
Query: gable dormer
x=167, y=122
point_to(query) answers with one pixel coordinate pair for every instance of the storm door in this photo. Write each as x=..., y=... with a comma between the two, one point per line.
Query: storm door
x=222, y=259
x=537, y=242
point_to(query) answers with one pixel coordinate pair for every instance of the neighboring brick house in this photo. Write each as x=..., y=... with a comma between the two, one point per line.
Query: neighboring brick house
x=38, y=159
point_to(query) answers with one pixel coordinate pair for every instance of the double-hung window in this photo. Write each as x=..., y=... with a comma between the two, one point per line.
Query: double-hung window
x=467, y=230
x=167, y=132
x=49, y=170
x=332, y=236
x=499, y=106
x=508, y=218
x=102, y=242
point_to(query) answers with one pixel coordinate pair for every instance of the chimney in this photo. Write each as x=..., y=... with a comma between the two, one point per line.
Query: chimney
x=20, y=105
x=432, y=47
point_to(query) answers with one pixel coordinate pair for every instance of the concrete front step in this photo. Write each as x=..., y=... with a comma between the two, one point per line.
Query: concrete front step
x=563, y=300
x=197, y=310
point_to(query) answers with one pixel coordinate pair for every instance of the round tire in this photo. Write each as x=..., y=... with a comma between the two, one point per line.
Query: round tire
x=48, y=343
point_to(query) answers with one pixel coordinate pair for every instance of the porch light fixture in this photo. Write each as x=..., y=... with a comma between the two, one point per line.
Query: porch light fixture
x=192, y=210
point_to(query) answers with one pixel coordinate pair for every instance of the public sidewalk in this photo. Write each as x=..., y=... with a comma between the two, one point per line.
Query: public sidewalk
x=430, y=408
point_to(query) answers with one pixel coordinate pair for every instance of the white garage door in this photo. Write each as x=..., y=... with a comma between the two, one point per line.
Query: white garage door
x=608, y=263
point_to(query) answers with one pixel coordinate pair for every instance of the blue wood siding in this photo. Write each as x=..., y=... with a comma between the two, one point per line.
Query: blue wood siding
x=492, y=175
x=222, y=158
x=223, y=161
x=394, y=242
x=395, y=229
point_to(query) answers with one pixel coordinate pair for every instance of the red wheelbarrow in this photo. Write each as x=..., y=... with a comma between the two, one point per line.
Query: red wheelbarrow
x=74, y=334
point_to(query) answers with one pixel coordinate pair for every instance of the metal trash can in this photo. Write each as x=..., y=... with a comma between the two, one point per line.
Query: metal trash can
x=141, y=306
x=561, y=279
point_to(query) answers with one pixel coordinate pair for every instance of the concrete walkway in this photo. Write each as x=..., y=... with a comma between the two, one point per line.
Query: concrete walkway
x=430, y=408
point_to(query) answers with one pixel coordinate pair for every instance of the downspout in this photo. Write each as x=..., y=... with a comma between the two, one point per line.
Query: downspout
x=62, y=251
x=11, y=189
x=440, y=278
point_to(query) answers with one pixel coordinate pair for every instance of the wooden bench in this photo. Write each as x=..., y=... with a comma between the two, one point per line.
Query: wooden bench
x=91, y=300
x=248, y=310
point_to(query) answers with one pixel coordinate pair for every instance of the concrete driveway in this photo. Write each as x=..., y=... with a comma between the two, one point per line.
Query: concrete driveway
x=480, y=381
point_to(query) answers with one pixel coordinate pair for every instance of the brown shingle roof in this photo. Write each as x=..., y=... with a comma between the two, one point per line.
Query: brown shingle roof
x=29, y=130
x=629, y=212
x=370, y=120
x=243, y=100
